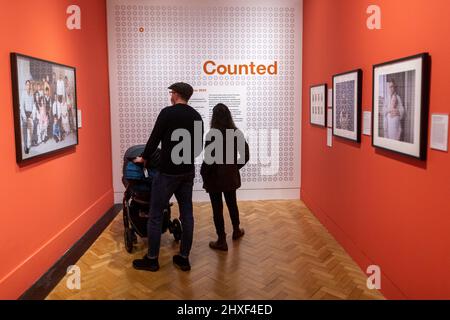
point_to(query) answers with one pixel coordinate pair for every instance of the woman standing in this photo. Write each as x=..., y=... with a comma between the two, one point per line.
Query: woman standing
x=42, y=121
x=394, y=113
x=220, y=171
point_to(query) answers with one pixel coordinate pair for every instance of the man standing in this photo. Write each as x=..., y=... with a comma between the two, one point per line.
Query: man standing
x=56, y=112
x=49, y=109
x=27, y=114
x=61, y=86
x=394, y=113
x=176, y=176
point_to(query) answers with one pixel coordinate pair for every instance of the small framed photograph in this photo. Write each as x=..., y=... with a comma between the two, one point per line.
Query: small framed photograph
x=45, y=106
x=318, y=102
x=400, y=105
x=347, y=105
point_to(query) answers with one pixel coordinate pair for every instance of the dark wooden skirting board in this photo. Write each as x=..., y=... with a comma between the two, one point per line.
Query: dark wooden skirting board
x=41, y=288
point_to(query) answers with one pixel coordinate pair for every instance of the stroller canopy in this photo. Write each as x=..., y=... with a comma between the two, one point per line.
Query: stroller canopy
x=136, y=151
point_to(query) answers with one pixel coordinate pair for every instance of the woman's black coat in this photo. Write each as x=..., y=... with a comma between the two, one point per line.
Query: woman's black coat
x=225, y=177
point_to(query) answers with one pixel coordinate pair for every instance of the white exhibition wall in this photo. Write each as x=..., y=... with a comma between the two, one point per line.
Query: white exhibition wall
x=153, y=44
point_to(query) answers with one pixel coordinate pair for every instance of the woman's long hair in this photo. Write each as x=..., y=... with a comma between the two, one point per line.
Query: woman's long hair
x=222, y=118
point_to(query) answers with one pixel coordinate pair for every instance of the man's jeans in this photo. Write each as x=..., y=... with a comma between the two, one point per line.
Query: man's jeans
x=163, y=187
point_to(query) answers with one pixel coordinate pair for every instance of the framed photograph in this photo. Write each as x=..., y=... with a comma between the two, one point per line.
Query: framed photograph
x=347, y=105
x=400, y=105
x=318, y=105
x=45, y=106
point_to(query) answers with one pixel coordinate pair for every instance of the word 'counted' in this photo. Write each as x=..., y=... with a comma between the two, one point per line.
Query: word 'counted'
x=211, y=68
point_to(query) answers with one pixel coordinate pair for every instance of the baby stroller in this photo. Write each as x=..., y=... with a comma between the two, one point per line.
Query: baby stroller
x=136, y=200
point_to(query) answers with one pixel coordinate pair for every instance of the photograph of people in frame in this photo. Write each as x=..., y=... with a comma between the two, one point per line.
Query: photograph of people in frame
x=44, y=106
x=396, y=106
x=347, y=105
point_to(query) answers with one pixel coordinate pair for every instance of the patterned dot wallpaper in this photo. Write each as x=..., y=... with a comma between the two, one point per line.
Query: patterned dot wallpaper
x=153, y=44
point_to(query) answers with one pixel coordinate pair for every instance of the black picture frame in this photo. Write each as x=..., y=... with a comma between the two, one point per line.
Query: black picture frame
x=355, y=134
x=41, y=132
x=422, y=62
x=323, y=104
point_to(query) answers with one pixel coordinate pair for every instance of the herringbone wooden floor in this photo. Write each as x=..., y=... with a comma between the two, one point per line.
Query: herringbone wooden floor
x=285, y=254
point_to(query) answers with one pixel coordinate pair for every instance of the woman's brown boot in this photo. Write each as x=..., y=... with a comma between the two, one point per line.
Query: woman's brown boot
x=238, y=233
x=220, y=244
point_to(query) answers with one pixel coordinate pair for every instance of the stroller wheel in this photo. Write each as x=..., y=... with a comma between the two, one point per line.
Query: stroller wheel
x=129, y=239
x=177, y=230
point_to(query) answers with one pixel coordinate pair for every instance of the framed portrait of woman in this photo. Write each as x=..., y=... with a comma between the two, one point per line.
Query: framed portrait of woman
x=400, y=105
x=347, y=101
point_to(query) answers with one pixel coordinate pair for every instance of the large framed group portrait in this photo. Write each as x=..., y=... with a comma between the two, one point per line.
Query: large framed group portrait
x=347, y=105
x=400, y=105
x=45, y=106
x=318, y=108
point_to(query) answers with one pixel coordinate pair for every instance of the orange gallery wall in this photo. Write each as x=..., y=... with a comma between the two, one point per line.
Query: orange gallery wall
x=385, y=209
x=48, y=205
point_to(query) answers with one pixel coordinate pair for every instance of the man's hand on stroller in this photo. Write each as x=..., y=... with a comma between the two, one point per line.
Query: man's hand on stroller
x=139, y=160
